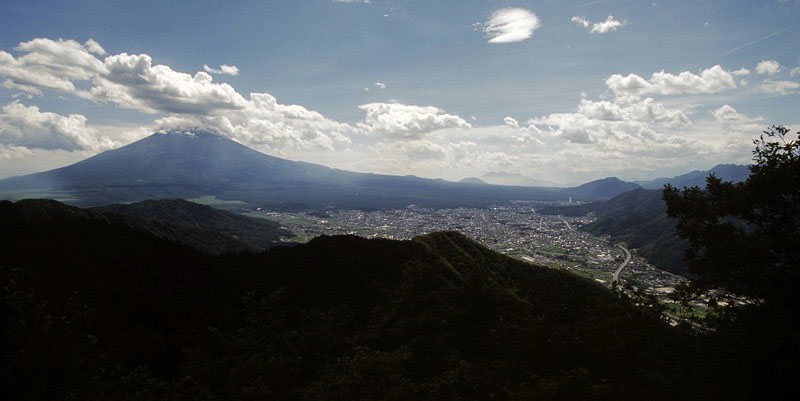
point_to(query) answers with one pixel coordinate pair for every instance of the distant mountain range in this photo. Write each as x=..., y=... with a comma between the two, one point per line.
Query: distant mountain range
x=190, y=165
x=503, y=178
x=604, y=188
x=726, y=172
x=473, y=180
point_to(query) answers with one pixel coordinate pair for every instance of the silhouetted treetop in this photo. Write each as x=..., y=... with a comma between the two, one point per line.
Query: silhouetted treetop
x=746, y=236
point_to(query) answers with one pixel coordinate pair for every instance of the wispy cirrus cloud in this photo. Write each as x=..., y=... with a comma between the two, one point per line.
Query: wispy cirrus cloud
x=779, y=87
x=754, y=41
x=223, y=69
x=609, y=25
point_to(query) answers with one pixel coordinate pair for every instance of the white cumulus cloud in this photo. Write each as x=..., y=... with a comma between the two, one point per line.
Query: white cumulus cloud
x=265, y=124
x=48, y=64
x=734, y=121
x=510, y=122
x=508, y=25
x=726, y=113
x=523, y=135
x=710, y=80
x=768, y=67
x=134, y=81
x=26, y=127
x=404, y=121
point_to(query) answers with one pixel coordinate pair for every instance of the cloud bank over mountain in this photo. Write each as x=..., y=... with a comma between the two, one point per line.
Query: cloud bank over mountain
x=636, y=123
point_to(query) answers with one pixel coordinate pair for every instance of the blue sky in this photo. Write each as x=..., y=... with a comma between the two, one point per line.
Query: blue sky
x=407, y=87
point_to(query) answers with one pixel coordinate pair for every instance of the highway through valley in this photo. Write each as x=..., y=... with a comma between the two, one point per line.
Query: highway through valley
x=625, y=250
x=624, y=264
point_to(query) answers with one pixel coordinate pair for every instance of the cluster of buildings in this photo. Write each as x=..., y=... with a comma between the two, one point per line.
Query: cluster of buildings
x=515, y=230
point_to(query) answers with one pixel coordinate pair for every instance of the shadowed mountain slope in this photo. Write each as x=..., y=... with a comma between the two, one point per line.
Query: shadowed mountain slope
x=93, y=309
x=204, y=227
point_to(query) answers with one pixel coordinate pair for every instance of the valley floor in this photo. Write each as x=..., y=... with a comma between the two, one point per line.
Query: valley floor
x=515, y=230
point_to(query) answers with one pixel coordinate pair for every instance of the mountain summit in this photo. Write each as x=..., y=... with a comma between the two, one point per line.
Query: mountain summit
x=503, y=178
x=194, y=164
x=605, y=188
x=174, y=158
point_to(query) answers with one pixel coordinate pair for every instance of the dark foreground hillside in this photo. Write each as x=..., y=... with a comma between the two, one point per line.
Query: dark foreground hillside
x=95, y=309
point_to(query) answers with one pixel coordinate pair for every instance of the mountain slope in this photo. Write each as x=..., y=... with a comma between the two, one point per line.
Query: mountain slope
x=437, y=317
x=726, y=172
x=604, y=188
x=199, y=158
x=190, y=165
x=204, y=227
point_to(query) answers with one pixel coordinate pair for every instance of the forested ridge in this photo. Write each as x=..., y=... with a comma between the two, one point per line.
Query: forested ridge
x=206, y=228
x=94, y=308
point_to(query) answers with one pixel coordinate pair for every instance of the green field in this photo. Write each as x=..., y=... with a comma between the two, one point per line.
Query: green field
x=15, y=195
x=212, y=200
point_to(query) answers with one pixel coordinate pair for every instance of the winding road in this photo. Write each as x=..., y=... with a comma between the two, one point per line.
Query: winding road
x=624, y=264
x=569, y=227
x=673, y=317
x=627, y=253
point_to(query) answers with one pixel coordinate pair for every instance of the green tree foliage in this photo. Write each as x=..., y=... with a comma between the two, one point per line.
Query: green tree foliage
x=746, y=236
